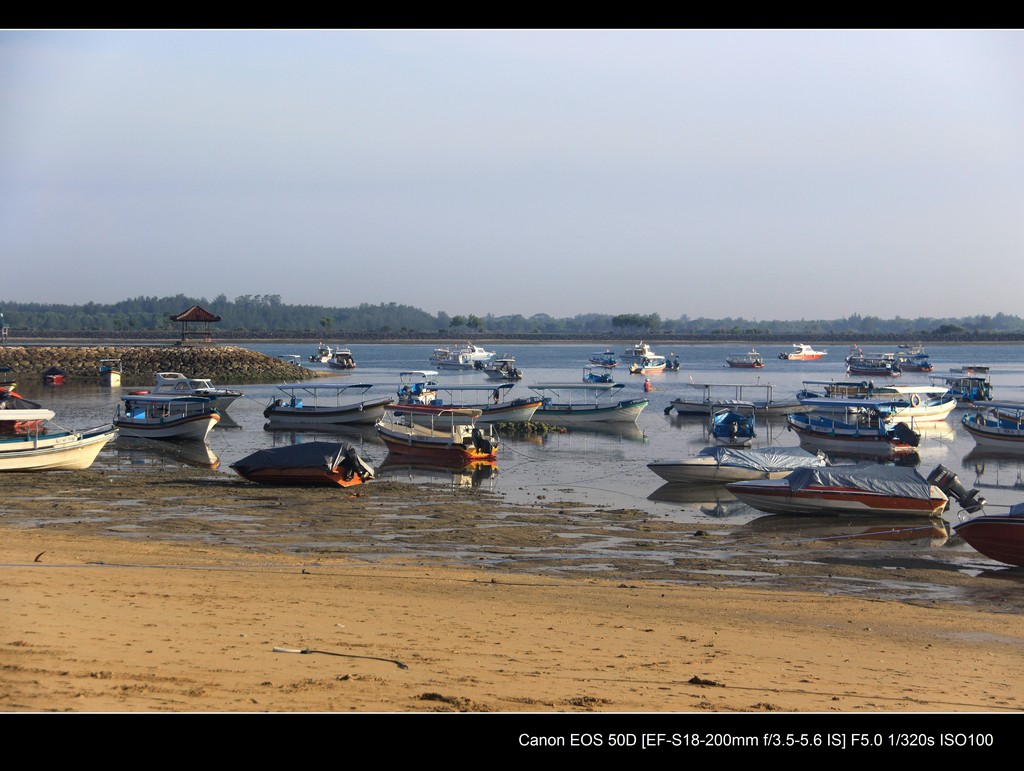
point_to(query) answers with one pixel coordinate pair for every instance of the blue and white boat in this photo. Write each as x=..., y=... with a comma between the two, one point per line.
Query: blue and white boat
x=996, y=425
x=732, y=424
x=582, y=403
x=859, y=427
x=967, y=388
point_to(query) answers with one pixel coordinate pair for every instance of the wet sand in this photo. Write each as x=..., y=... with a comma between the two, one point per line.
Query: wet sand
x=189, y=591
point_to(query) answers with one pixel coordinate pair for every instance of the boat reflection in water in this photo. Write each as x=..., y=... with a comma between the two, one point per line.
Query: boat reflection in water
x=137, y=451
x=890, y=530
x=711, y=499
x=409, y=468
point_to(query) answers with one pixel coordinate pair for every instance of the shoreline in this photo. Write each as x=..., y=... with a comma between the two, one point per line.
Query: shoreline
x=135, y=598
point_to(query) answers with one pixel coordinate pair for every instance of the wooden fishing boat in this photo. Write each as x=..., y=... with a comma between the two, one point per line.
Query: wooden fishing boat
x=905, y=404
x=166, y=416
x=441, y=437
x=996, y=425
x=110, y=372
x=859, y=427
x=308, y=463
x=28, y=442
x=968, y=389
x=752, y=360
x=439, y=401
x=582, y=403
x=701, y=397
x=324, y=405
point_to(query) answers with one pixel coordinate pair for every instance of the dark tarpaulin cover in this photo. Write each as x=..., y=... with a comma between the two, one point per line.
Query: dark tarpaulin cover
x=769, y=460
x=325, y=455
x=901, y=481
x=11, y=401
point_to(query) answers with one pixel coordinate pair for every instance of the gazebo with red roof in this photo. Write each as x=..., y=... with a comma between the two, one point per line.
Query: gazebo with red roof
x=196, y=315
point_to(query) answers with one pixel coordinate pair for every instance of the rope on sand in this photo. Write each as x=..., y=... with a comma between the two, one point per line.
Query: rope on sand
x=396, y=662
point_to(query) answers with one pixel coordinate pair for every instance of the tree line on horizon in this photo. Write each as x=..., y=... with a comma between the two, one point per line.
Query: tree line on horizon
x=267, y=315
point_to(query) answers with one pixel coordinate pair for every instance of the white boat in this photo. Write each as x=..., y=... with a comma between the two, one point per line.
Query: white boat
x=502, y=369
x=442, y=439
x=582, y=403
x=996, y=425
x=734, y=464
x=342, y=359
x=637, y=353
x=417, y=386
x=460, y=358
x=859, y=427
x=701, y=397
x=110, y=372
x=325, y=405
x=906, y=404
x=166, y=416
x=648, y=365
x=870, y=489
x=177, y=384
x=732, y=424
x=802, y=352
x=323, y=354
x=491, y=400
x=29, y=443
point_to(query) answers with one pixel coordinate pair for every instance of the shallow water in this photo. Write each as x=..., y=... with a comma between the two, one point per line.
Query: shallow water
x=604, y=466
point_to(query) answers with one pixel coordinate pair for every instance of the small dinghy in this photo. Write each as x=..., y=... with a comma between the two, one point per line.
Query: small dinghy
x=309, y=463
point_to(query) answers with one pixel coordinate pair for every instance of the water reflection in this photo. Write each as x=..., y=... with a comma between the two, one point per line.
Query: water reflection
x=133, y=451
x=410, y=469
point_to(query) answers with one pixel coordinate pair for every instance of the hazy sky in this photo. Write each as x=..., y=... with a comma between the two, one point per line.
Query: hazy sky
x=762, y=174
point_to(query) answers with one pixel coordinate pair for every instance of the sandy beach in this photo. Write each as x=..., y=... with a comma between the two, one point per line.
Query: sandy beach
x=135, y=598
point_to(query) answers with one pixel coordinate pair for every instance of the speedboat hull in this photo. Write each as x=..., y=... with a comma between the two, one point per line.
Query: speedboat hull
x=721, y=465
x=999, y=537
x=778, y=496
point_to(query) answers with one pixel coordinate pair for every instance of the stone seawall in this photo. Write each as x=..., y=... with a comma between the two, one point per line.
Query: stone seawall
x=221, y=364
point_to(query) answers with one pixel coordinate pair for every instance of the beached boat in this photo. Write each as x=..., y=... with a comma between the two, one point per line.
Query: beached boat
x=437, y=404
x=859, y=427
x=996, y=425
x=501, y=369
x=968, y=389
x=342, y=359
x=752, y=360
x=998, y=536
x=732, y=424
x=802, y=352
x=701, y=397
x=166, y=416
x=324, y=405
x=906, y=404
x=308, y=463
x=455, y=441
x=28, y=442
x=323, y=354
x=604, y=359
x=581, y=403
x=177, y=384
x=734, y=464
x=870, y=489
x=110, y=372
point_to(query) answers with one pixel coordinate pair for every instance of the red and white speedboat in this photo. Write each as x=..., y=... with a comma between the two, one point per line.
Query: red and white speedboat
x=999, y=537
x=861, y=489
x=803, y=352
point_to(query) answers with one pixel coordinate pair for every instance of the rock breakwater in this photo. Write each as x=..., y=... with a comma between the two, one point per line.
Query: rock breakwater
x=221, y=364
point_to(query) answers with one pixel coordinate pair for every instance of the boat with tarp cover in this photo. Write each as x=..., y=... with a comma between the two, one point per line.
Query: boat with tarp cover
x=868, y=488
x=308, y=463
x=735, y=464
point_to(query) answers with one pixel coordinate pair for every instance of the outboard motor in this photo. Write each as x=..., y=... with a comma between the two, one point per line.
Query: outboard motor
x=907, y=434
x=947, y=481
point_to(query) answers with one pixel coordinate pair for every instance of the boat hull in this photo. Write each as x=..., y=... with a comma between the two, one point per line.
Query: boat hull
x=1000, y=538
x=708, y=471
x=305, y=477
x=423, y=442
x=66, y=451
x=444, y=417
x=988, y=434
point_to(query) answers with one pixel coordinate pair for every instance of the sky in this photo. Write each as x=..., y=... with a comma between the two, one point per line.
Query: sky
x=762, y=174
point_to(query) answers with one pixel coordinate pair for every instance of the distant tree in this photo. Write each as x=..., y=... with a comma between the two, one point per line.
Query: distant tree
x=457, y=321
x=473, y=322
x=326, y=322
